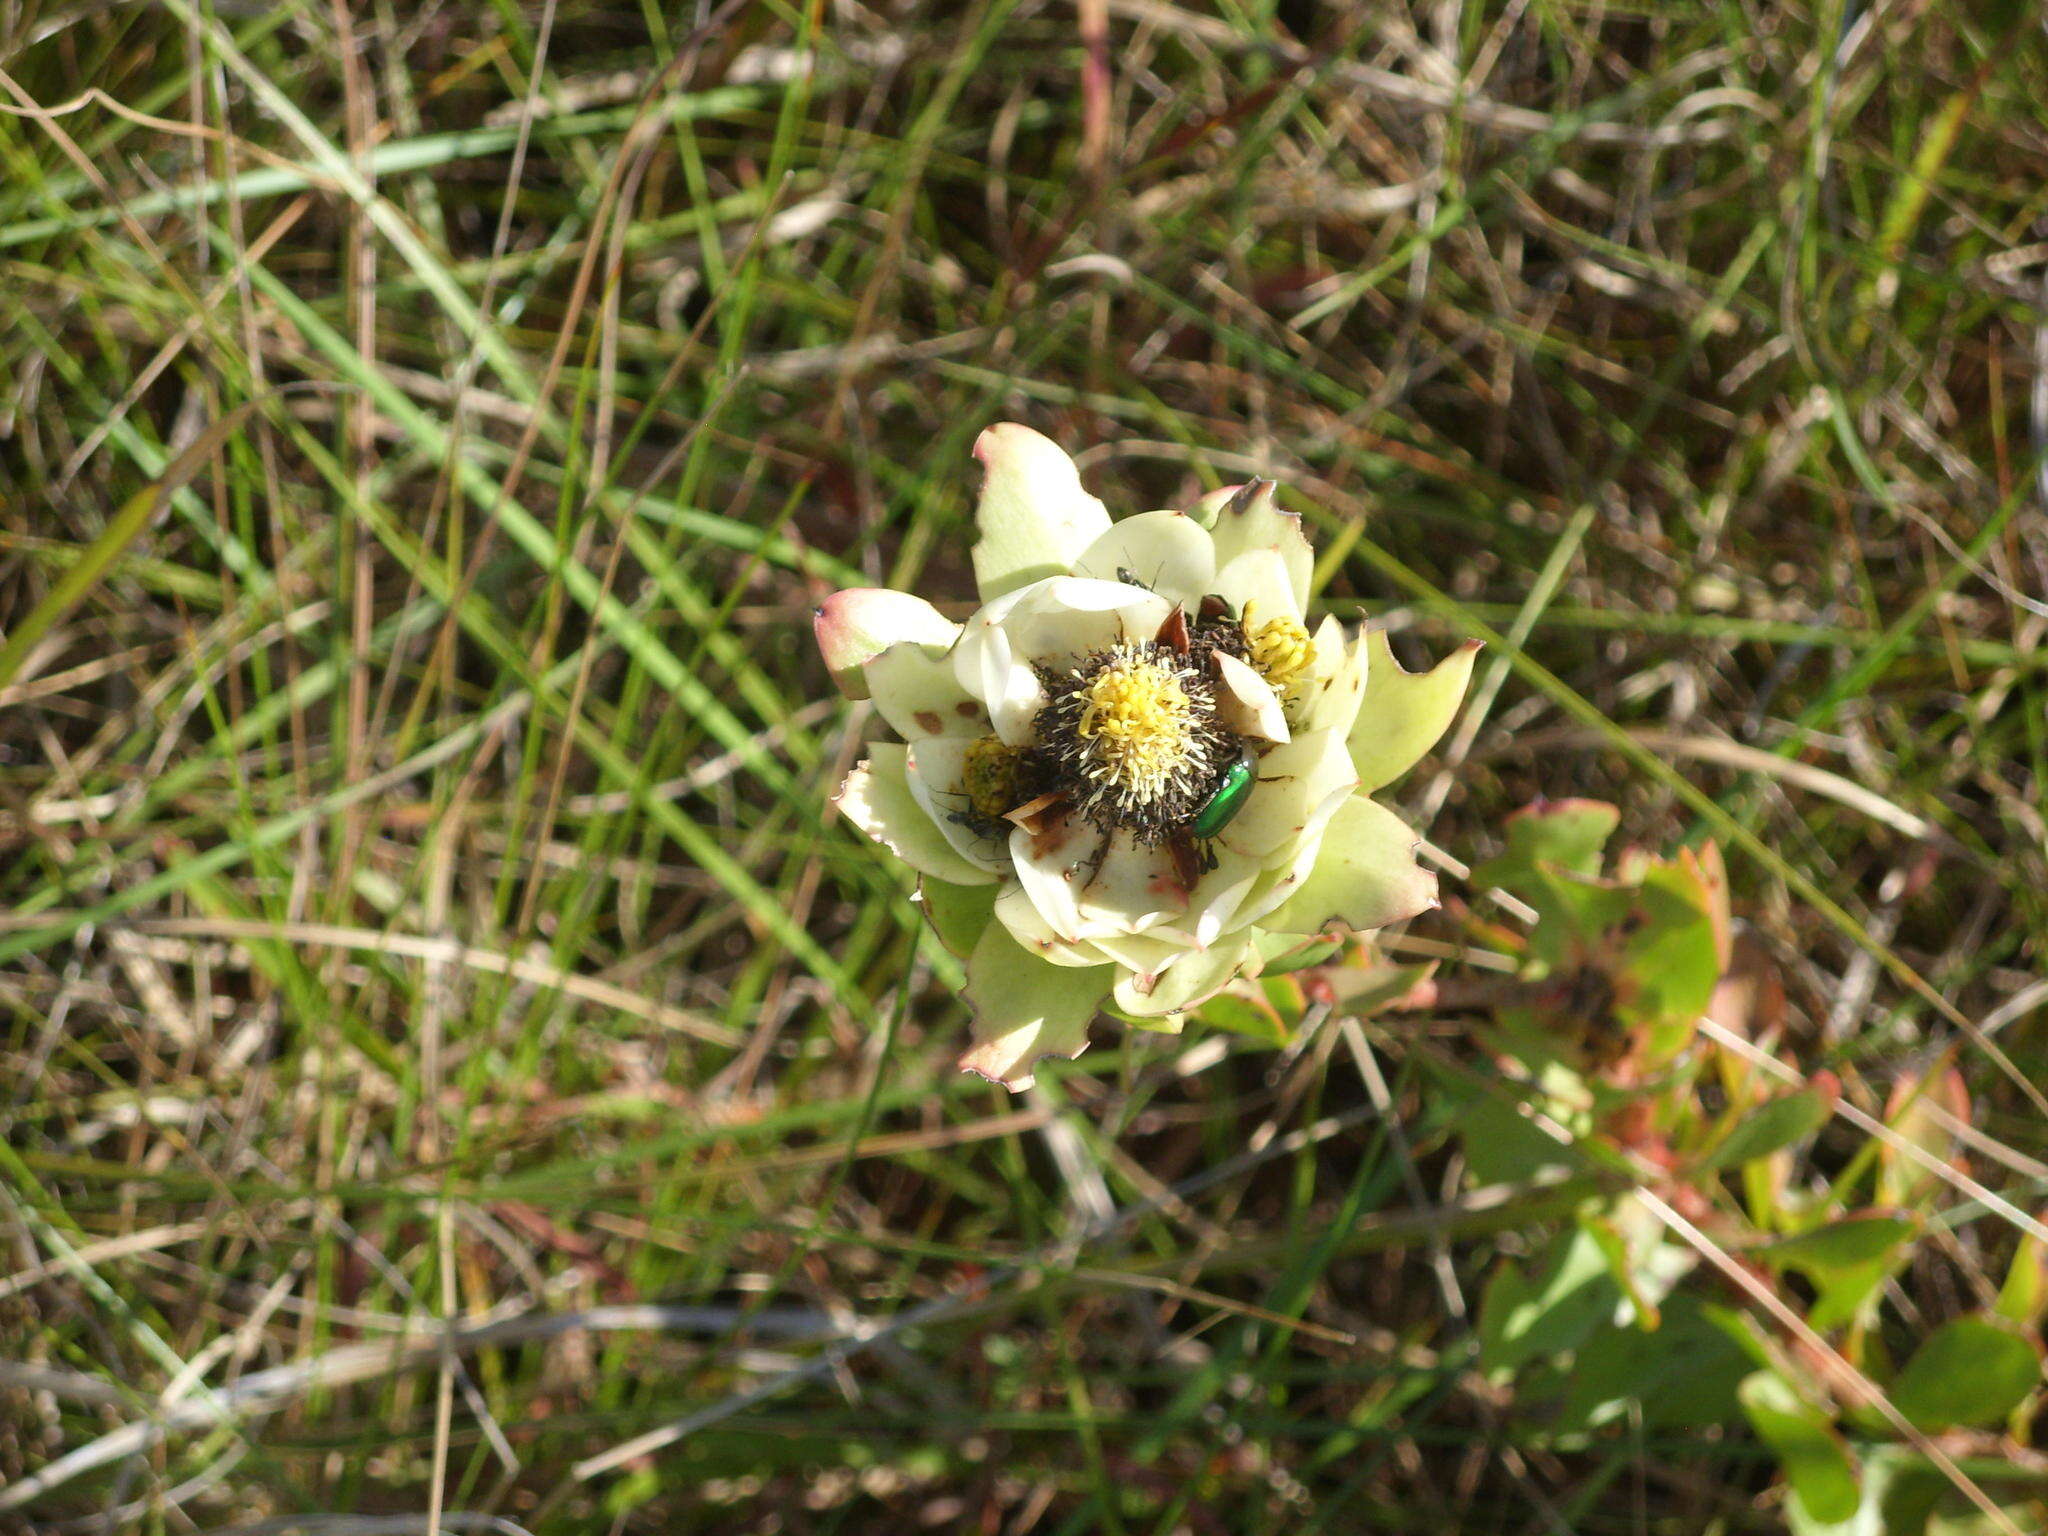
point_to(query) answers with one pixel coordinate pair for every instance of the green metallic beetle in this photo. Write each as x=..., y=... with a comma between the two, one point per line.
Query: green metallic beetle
x=1229, y=796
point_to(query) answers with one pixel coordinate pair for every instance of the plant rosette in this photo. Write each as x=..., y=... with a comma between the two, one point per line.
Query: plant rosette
x=1134, y=774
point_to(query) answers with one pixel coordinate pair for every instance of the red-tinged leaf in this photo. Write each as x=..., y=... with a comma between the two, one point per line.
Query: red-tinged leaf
x=1914, y=1111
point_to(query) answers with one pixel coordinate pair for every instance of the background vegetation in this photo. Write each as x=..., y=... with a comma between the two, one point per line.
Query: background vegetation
x=424, y=431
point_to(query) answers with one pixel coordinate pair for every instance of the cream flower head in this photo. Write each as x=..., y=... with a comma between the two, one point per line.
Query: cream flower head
x=1135, y=773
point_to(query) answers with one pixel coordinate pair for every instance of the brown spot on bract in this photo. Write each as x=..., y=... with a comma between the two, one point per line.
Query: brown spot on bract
x=1047, y=843
x=1052, y=832
x=929, y=719
x=967, y=709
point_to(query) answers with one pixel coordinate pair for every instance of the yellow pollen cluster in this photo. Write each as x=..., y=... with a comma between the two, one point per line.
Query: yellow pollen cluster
x=1280, y=650
x=990, y=777
x=1139, y=724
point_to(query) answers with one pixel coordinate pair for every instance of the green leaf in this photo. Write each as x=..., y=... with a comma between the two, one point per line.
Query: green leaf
x=1944, y=1511
x=638, y=1487
x=1886, y=1505
x=1971, y=1371
x=1280, y=953
x=1564, y=834
x=1671, y=962
x=1242, y=1016
x=1815, y=1459
x=1869, y=1237
x=1775, y=1125
x=1636, y=1280
x=1364, y=989
x=1579, y=920
x=1680, y=1375
x=1501, y=1147
x=2024, y=1296
x=1843, y=1293
x=1522, y=1318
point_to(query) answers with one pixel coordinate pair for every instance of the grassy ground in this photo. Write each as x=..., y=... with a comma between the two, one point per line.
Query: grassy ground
x=424, y=432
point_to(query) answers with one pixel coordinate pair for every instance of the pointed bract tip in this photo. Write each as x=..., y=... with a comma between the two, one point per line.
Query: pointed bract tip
x=1009, y=437
x=855, y=626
